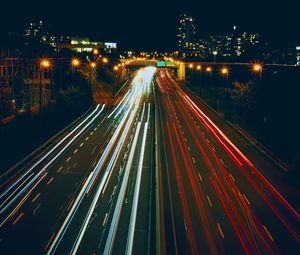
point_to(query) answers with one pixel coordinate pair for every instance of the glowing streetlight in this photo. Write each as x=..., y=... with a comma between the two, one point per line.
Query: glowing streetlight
x=224, y=71
x=93, y=64
x=208, y=69
x=257, y=68
x=215, y=53
x=75, y=62
x=105, y=60
x=45, y=63
x=198, y=67
x=191, y=66
x=116, y=68
x=95, y=51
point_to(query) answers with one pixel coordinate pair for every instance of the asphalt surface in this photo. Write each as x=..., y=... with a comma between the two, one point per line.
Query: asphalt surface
x=215, y=199
x=55, y=203
x=159, y=172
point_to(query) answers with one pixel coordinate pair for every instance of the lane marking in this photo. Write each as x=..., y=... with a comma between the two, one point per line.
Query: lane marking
x=50, y=180
x=36, y=197
x=268, y=233
x=74, y=165
x=94, y=150
x=59, y=169
x=81, y=144
x=69, y=158
x=222, y=161
x=71, y=203
x=49, y=242
x=75, y=151
x=87, y=138
x=231, y=176
x=220, y=230
x=35, y=209
x=194, y=160
x=18, y=218
x=105, y=219
x=208, y=199
x=200, y=177
x=246, y=199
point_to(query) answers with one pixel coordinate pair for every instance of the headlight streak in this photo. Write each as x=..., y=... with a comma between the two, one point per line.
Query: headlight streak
x=118, y=208
x=23, y=190
x=46, y=155
x=130, y=237
x=131, y=104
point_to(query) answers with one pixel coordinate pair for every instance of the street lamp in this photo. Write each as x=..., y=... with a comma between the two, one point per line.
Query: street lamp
x=225, y=72
x=257, y=68
x=191, y=66
x=95, y=51
x=93, y=64
x=198, y=67
x=105, y=60
x=45, y=65
x=215, y=53
x=116, y=68
x=208, y=69
x=75, y=62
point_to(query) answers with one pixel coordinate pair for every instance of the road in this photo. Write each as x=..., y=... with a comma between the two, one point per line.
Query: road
x=98, y=172
x=157, y=173
x=214, y=199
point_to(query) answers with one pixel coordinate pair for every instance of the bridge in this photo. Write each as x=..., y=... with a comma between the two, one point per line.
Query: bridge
x=181, y=66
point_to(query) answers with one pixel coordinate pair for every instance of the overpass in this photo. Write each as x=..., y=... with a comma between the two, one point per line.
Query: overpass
x=180, y=66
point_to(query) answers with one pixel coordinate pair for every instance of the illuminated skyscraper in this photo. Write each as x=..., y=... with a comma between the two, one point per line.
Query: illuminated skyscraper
x=186, y=35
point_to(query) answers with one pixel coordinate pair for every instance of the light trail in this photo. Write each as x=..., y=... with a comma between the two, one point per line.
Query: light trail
x=23, y=190
x=47, y=154
x=131, y=230
x=116, y=216
x=133, y=105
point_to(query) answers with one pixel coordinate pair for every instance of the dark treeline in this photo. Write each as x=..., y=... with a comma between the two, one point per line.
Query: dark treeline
x=73, y=96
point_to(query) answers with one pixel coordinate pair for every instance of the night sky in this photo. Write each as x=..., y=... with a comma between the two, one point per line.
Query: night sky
x=152, y=24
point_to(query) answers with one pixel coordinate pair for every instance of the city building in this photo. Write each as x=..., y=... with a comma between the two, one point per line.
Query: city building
x=298, y=55
x=85, y=45
x=227, y=46
x=42, y=33
x=186, y=35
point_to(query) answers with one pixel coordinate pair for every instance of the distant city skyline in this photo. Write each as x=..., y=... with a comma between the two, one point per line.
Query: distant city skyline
x=154, y=26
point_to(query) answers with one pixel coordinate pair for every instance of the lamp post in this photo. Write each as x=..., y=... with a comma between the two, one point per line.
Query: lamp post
x=95, y=51
x=209, y=70
x=75, y=63
x=44, y=65
x=225, y=72
x=116, y=69
x=215, y=53
x=93, y=66
x=199, y=69
x=257, y=68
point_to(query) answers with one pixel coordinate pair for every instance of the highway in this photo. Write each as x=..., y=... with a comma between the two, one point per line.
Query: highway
x=98, y=172
x=157, y=172
x=214, y=200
